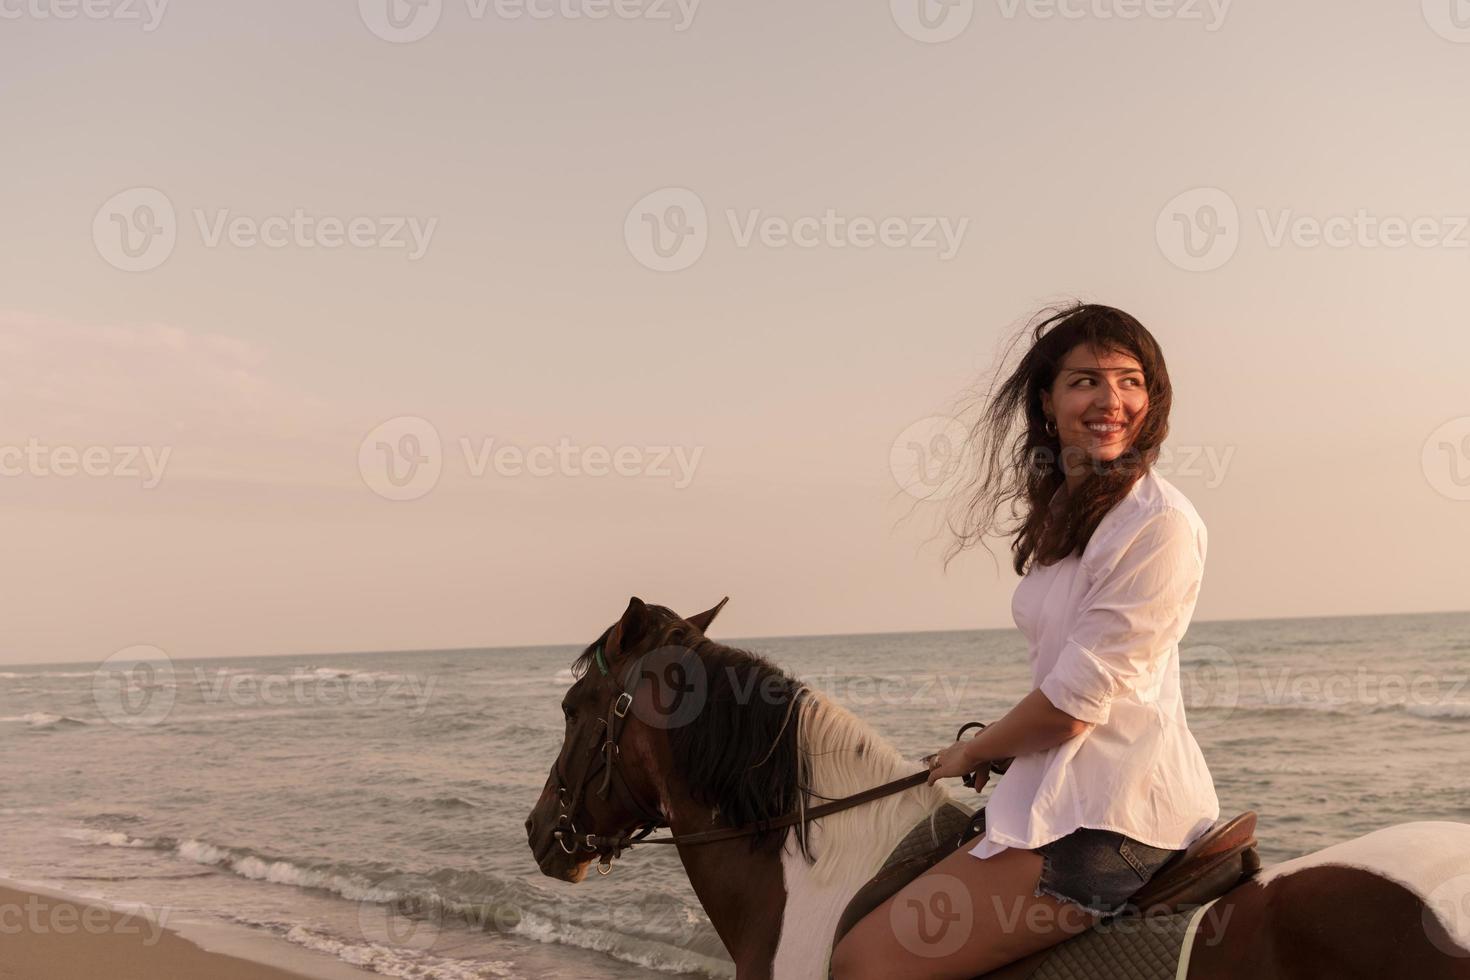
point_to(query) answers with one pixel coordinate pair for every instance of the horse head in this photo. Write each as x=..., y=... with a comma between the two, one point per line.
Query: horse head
x=603, y=786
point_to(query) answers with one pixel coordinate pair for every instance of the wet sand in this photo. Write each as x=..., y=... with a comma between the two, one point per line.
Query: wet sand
x=46, y=936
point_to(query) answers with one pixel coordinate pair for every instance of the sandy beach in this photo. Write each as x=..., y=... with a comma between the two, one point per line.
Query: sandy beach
x=47, y=936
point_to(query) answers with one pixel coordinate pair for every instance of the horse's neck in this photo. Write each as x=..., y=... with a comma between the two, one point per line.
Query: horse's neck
x=743, y=899
x=743, y=895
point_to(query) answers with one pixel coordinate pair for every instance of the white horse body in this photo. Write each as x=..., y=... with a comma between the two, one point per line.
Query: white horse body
x=850, y=847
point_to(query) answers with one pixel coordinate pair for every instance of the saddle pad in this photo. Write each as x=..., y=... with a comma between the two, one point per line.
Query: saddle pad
x=949, y=820
x=1126, y=948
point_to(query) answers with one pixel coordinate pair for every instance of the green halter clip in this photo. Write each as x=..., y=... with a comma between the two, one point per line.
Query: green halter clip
x=601, y=664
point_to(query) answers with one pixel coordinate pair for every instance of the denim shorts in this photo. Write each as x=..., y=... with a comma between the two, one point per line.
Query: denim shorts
x=1098, y=869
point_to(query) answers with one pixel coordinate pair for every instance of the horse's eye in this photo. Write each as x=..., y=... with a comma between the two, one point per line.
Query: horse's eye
x=569, y=712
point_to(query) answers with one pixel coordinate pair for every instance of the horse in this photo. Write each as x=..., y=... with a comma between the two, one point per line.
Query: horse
x=666, y=728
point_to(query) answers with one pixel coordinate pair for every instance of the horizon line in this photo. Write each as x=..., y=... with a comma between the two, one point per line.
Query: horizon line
x=731, y=640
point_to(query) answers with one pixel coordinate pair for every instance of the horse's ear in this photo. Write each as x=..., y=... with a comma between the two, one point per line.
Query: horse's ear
x=702, y=620
x=628, y=629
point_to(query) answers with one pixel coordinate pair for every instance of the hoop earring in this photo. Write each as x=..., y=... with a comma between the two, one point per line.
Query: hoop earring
x=1051, y=427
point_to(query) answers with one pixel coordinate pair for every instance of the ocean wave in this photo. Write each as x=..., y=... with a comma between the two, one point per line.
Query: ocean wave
x=108, y=818
x=344, y=673
x=472, y=899
x=1450, y=711
x=299, y=672
x=46, y=720
x=9, y=675
x=180, y=720
x=564, y=677
x=1443, y=711
x=247, y=864
x=393, y=961
x=446, y=724
x=647, y=953
x=104, y=838
x=446, y=803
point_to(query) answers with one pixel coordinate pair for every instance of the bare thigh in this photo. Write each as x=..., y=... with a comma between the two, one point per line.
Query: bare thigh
x=962, y=917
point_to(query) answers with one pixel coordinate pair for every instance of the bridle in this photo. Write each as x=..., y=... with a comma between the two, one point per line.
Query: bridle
x=572, y=841
x=612, y=778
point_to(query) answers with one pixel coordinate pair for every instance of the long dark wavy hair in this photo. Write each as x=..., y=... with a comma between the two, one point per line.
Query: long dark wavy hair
x=1016, y=465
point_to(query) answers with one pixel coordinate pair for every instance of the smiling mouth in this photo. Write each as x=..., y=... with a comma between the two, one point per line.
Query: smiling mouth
x=1104, y=428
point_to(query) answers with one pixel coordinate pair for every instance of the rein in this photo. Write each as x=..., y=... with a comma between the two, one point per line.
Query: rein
x=612, y=847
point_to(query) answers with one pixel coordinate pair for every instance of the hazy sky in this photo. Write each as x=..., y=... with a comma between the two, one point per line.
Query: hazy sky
x=732, y=250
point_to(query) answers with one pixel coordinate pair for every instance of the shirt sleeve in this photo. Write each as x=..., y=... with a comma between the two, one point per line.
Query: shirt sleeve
x=1132, y=616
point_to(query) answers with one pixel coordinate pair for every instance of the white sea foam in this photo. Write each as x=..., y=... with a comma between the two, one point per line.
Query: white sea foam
x=346, y=673
x=649, y=954
x=104, y=838
x=44, y=719
x=9, y=675
x=392, y=962
x=284, y=872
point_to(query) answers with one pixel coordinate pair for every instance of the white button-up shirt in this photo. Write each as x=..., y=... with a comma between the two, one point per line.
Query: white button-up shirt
x=1103, y=632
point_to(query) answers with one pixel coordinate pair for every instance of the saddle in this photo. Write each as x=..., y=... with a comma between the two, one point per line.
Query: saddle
x=1221, y=859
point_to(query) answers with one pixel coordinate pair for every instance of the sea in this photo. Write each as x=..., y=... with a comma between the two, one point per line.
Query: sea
x=371, y=806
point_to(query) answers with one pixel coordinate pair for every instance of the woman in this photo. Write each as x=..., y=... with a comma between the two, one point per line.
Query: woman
x=1107, y=782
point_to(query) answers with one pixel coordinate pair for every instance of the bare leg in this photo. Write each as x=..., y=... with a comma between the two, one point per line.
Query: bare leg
x=962, y=917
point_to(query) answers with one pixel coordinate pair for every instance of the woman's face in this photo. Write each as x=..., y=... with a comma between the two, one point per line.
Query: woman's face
x=1098, y=401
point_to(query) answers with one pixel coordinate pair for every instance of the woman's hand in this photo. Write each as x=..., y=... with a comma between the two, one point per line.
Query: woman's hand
x=952, y=761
